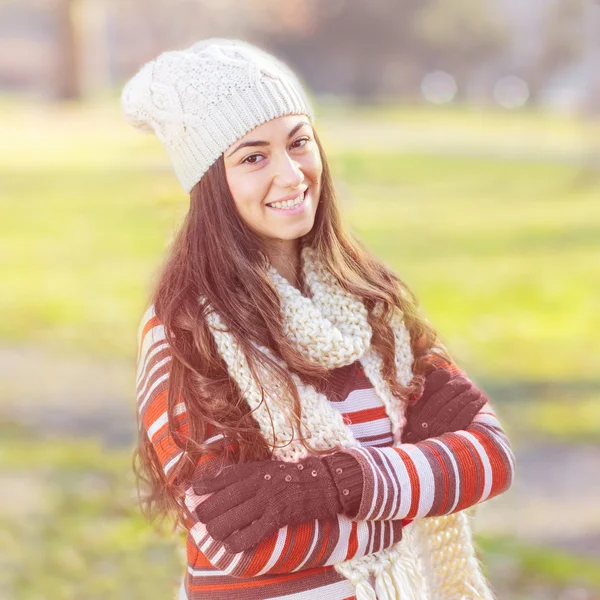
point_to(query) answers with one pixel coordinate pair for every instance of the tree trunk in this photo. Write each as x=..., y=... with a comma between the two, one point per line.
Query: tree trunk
x=67, y=84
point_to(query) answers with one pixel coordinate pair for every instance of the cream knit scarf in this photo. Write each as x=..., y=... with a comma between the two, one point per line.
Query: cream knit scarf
x=435, y=560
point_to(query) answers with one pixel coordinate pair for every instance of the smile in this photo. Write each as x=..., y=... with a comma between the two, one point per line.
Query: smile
x=290, y=206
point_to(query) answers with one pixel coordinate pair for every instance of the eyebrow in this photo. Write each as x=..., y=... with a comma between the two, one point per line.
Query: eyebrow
x=263, y=143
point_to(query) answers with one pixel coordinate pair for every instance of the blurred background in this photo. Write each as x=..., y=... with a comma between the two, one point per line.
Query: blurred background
x=464, y=136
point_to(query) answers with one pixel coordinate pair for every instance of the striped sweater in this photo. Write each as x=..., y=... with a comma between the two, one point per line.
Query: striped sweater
x=434, y=477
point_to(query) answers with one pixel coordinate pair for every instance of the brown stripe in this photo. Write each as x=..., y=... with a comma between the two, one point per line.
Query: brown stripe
x=383, y=481
x=263, y=587
x=163, y=386
x=379, y=440
x=329, y=540
x=443, y=474
x=332, y=532
x=361, y=382
x=161, y=355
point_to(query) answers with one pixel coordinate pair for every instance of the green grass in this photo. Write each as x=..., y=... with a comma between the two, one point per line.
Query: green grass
x=73, y=530
x=543, y=564
x=502, y=254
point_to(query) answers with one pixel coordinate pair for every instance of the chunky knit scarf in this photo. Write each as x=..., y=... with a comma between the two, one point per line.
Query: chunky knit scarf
x=435, y=560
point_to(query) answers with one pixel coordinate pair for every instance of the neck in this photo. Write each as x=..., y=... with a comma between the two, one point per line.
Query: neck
x=284, y=255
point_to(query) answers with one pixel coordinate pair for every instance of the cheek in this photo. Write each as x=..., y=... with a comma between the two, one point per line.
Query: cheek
x=313, y=167
x=248, y=193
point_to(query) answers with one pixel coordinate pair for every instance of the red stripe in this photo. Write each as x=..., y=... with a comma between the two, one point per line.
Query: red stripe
x=352, y=542
x=466, y=456
x=151, y=323
x=500, y=469
x=366, y=415
x=415, y=483
x=444, y=507
x=262, y=555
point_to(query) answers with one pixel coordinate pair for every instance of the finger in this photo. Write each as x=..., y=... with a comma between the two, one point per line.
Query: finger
x=250, y=536
x=235, y=519
x=210, y=484
x=226, y=499
x=452, y=416
x=465, y=416
x=445, y=395
x=435, y=380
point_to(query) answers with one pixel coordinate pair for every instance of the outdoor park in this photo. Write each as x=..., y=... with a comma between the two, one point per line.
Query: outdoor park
x=490, y=215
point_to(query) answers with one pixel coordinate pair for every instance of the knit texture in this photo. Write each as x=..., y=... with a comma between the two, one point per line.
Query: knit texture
x=199, y=101
x=331, y=328
x=431, y=478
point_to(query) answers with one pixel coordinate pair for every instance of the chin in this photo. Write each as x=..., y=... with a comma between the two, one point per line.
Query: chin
x=294, y=233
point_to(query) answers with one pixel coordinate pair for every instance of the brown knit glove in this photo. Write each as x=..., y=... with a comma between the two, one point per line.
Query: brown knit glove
x=449, y=402
x=251, y=500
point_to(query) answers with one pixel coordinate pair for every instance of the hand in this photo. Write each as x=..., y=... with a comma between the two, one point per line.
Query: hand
x=252, y=500
x=449, y=402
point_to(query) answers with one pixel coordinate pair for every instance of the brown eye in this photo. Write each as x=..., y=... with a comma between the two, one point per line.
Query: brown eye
x=303, y=139
x=252, y=162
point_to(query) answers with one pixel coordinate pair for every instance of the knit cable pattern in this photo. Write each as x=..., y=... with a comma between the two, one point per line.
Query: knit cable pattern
x=200, y=100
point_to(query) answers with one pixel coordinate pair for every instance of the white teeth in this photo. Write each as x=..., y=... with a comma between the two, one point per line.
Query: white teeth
x=287, y=204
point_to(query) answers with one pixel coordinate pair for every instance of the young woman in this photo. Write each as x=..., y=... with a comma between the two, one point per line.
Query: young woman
x=297, y=415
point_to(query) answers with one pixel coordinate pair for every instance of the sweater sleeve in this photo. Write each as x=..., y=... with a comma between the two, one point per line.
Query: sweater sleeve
x=292, y=548
x=437, y=476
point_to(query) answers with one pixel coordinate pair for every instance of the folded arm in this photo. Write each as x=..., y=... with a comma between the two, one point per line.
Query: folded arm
x=466, y=460
x=436, y=476
x=292, y=548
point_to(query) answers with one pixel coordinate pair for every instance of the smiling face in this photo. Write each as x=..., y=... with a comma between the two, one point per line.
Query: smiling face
x=274, y=176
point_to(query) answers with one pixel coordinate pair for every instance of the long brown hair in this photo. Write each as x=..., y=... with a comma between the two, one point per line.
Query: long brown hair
x=215, y=256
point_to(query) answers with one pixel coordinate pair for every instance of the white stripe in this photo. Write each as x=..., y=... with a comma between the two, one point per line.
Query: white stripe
x=378, y=443
x=372, y=526
x=276, y=554
x=385, y=532
x=162, y=420
x=214, y=438
x=497, y=434
x=377, y=481
x=450, y=456
x=146, y=379
x=341, y=547
x=487, y=467
x=426, y=479
x=142, y=366
x=148, y=314
x=182, y=593
x=155, y=334
x=368, y=458
x=508, y=453
x=404, y=493
x=488, y=420
x=152, y=388
x=172, y=463
x=386, y=453
x=391, y=532
x=376, y=427
x=315, y=530
x=359, y=400
x=362, y=534
x=231, y=569
x=220, y=553
x=205, y=573
x=334, y=591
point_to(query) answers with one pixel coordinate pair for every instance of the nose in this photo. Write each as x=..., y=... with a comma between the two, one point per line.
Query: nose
x=288, y=173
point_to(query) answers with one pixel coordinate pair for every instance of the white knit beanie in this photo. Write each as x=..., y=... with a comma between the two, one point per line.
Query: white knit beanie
x=201, y=100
